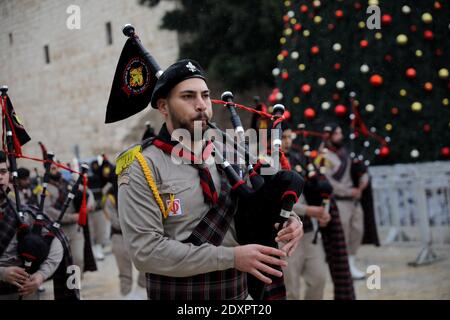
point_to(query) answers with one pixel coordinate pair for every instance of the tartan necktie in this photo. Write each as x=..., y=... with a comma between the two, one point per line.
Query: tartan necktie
x=163, y=142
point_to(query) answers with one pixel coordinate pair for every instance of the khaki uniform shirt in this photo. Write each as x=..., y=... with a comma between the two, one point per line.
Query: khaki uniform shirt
x=342, y=188
x=53, y=213
x=155, y=243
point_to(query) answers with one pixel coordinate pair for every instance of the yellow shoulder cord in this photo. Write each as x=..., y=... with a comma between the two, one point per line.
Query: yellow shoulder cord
x=151, y=183
x=112, y=199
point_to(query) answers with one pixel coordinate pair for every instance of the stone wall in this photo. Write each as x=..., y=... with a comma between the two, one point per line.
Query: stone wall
x=62, y=103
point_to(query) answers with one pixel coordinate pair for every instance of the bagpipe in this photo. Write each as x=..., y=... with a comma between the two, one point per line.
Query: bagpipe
x=33, y=242
x=268, y=199
x=358, y=168
x=318, y=192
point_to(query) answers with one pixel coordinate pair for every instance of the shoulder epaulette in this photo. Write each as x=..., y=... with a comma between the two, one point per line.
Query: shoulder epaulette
x=126, y=158
x=321, y=160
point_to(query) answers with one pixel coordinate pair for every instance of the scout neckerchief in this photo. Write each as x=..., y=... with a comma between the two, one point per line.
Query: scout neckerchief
x=343, y=157
x=163, y=142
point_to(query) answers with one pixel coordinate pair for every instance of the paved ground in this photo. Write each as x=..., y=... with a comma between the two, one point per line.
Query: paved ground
x=398, y=280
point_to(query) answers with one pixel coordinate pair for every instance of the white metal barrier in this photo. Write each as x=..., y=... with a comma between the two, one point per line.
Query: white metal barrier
x=412, y=203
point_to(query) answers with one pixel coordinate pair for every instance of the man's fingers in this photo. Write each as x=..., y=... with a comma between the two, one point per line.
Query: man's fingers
x=273, y=261
x=269, y=270
x=21, y=278
x=27, y=289
x=17, y=285
x=286, y=229
x=287, y=247
x=288, y=236
x=261, y=277
x=21, y=272
x=272, y=251
x=291, y=251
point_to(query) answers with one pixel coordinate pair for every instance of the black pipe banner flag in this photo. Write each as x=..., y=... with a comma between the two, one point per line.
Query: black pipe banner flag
x=133, y=83
x=20, y=136
x=43, y=149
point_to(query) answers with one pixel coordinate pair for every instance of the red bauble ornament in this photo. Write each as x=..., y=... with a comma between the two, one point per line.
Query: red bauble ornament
x=428, y=35
x=438, y=52
x=413, y=28
x=336, y=96
x=303, y=8
x=273, y=95
x=286, y=18
x=272, y=98
x=357, y=6
x=330, y=26
x=426, y=128
x=388, y=58
x=297, y=27
x=309, y=113
x=437, y=5
x=394, y=111
x=411, y=73
x=445, y=151
x=287, y=114
x=340, y=110
x=285, y=75
x=337, y=66
x=306, y=88
x=339, y=13
x=428, y=86
x=314, y=154
x=376, y=80
x=384, y=151
x=315, y=50
x=386, y=19
x=363, y=43
x=284, y=53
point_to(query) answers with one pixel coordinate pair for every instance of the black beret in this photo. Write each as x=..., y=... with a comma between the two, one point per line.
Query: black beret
x=177, y=72
x=23, y=173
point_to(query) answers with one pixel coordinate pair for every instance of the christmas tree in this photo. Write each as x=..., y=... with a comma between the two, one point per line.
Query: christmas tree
x=381, y=66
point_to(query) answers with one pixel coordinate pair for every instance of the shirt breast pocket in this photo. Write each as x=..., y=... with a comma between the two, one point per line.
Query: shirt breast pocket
x=175, y=195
